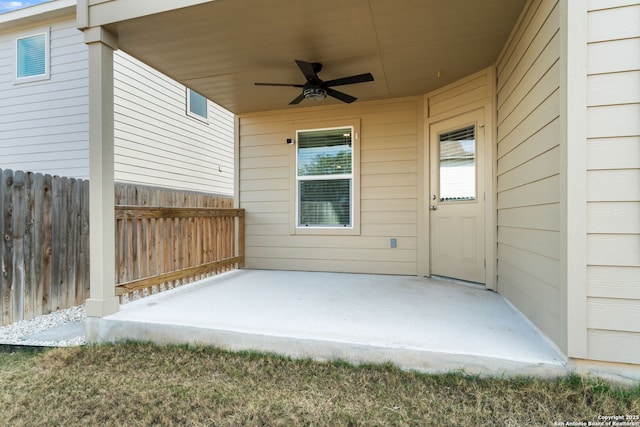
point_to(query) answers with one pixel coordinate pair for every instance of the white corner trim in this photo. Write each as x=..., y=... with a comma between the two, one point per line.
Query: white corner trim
x=573, y=81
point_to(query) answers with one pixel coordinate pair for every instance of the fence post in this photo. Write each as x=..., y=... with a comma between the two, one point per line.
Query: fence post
x=240, y=237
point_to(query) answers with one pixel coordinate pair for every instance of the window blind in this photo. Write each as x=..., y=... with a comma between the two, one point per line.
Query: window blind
x=324, y=177
x=32, y=56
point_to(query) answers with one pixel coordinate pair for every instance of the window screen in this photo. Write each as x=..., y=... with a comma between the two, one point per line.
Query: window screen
x=324, y=177
x=31, y=60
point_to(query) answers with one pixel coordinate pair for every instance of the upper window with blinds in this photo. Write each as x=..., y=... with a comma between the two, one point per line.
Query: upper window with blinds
x=458, y=165
x=32, y=57
x=325, y=178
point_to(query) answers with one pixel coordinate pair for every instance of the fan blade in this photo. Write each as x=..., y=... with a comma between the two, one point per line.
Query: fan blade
x=341, y=96
x=307, y=70
x=360, y=78
x=297, y=100
x=278, y=84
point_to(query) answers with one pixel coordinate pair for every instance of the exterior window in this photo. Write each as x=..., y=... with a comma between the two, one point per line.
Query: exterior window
x=32, y=57
x=196, y=105
x=325, y=178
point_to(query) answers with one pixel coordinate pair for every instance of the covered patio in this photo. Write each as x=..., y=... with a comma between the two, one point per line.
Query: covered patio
x=416, y=323
x=541, y=229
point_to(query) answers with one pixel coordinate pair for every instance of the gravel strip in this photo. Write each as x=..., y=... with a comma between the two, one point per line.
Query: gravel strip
x=18, y=333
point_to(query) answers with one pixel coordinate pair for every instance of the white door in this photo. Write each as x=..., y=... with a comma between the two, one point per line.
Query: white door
x=457, y=197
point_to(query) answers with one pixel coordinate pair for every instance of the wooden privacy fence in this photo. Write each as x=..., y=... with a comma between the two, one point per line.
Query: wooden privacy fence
x=141, y=195
x=161, y=248
x=44, y=225
x=44, y=240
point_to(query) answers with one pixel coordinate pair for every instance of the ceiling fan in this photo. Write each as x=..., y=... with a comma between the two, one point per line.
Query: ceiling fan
x=316, y=89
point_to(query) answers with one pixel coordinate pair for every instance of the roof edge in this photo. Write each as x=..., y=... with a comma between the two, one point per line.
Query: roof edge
x=37, y=13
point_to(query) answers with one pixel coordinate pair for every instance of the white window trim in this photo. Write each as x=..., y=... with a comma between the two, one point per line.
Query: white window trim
x=47, y=57
x=188, y=104
x=354, y=229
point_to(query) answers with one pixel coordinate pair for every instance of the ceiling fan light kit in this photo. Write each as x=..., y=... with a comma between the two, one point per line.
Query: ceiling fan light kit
x=316, y=89
x=315, y=93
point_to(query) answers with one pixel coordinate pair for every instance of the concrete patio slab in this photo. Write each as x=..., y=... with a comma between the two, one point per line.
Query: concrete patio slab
x=414, y=322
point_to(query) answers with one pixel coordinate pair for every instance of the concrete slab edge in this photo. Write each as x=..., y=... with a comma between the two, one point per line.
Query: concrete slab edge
x=112, y=331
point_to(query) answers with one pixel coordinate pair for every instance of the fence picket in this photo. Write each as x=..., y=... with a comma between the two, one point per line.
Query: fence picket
x=30, y=284
x=47, y=245
x=7, y=276
x=17, y=282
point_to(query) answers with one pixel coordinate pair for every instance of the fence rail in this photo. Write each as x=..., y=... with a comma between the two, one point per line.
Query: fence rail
x=161, y=248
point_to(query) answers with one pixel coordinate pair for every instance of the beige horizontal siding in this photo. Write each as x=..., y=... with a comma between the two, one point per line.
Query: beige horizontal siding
x=388, y=190
x=613, y=185
x=349, y=242
x=620, y=249
x=613, y=56
x=537, y=144
x=463, y=95
x=534, y=297
x=334, y=265
x=537, y=168
x=157, y=144
x=458, y=95
x=613, y=181
x=538, y=217
x=614, y=346
x=613, y=217
x=616, y=88
x=613, y=314
x=545, y=294
x=613, y=153
x=528, y=169
x=613, y=282
x=545, y=115
x=544, y=191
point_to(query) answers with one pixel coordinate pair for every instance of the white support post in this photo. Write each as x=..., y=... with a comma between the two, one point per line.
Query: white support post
x=103, y=300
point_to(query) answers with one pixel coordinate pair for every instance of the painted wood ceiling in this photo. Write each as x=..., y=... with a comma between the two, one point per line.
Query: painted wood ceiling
x=411, y=47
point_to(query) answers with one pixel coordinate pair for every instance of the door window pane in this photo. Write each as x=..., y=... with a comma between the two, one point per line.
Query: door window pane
x=458, y=165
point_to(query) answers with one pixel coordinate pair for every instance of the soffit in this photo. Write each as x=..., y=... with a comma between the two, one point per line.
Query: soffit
x=222, y=47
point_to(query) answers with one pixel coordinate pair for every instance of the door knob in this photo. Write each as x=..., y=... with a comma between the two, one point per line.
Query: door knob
x=433, y=207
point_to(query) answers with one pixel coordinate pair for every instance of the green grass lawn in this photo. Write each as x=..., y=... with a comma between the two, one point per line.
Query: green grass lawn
x=143, y=384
